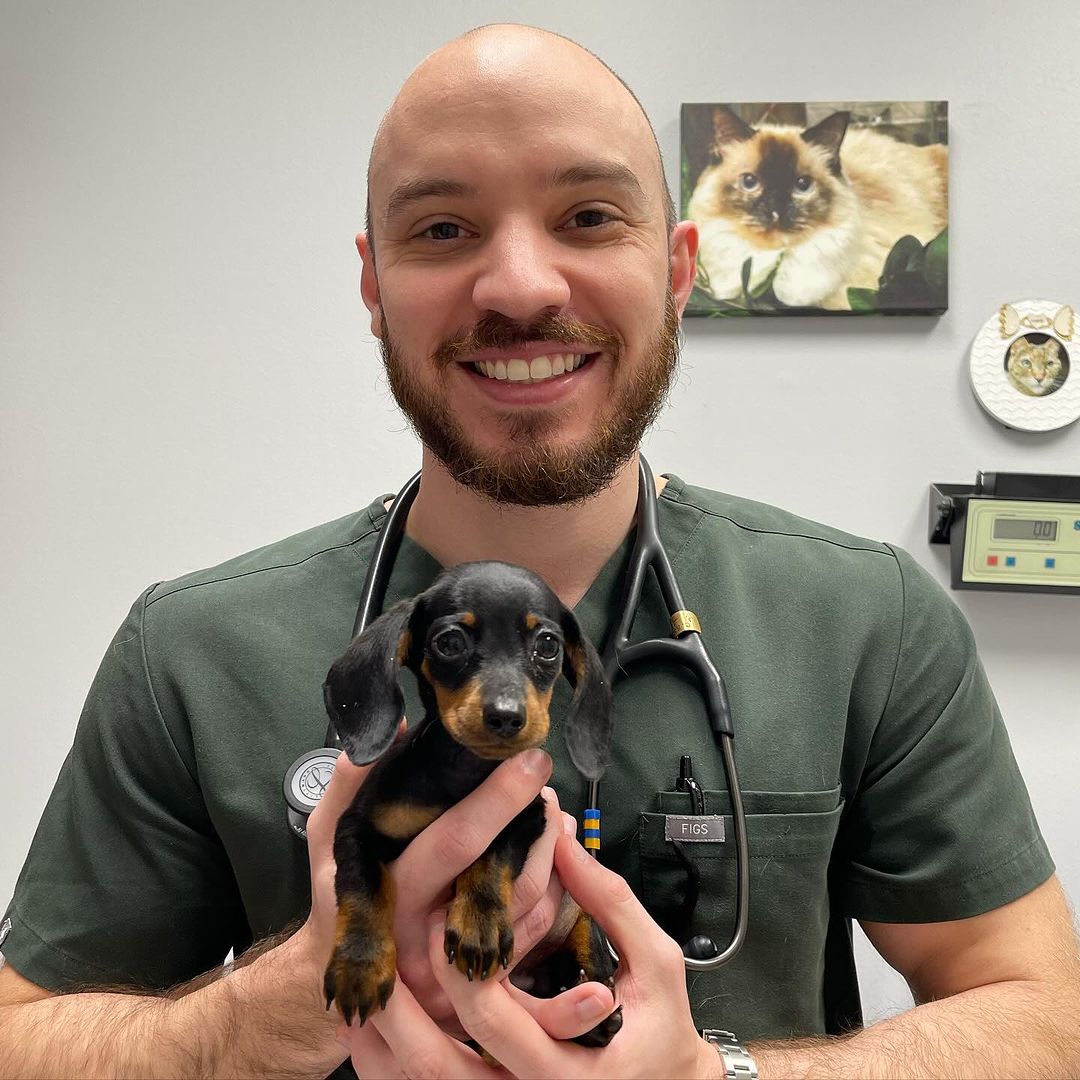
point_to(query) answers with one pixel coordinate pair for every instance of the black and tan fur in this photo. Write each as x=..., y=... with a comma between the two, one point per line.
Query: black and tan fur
x=487, y=642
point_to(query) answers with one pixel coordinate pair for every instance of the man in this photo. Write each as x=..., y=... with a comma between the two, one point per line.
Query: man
x=519, y=222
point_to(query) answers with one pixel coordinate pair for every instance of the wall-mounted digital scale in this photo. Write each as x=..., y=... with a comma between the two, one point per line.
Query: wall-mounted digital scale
x=1014, y=531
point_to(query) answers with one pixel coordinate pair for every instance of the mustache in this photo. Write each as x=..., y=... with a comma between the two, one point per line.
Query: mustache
x=496, y=331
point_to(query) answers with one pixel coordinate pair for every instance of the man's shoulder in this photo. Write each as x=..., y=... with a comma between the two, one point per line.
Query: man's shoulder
x=763, y=519
x=299, y=559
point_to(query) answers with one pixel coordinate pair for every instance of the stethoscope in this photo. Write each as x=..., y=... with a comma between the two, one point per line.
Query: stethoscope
x=308, y=776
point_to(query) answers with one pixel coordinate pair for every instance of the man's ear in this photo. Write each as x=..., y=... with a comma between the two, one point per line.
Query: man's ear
x=683, y=248
x=361, y=692
x=588, y=724
x=369, y=283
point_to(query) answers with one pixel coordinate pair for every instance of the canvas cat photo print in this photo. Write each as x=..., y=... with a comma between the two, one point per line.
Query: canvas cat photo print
x=818, y=207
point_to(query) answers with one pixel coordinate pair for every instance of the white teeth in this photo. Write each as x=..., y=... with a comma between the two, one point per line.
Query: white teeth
x=520, y=370
x=540, y=368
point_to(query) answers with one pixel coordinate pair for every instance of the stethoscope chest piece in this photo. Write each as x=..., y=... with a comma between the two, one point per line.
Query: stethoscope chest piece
x=305, y=783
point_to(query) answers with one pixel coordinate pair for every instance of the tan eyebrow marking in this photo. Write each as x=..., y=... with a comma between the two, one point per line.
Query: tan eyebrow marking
x=411, y=191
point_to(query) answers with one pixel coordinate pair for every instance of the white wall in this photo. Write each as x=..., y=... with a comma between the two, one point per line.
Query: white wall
x=186, y=371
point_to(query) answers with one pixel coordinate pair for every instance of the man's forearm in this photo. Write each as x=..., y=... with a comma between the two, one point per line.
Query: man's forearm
x=264, y=1018
x=1003, y=1030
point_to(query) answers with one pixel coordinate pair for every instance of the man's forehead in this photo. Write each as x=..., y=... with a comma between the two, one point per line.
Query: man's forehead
x=495, y=83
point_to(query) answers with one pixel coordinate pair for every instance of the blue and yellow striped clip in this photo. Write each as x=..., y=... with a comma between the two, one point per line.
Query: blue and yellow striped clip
x=591, y=832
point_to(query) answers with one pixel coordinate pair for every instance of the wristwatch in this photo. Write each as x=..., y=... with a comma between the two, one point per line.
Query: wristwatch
x=738, y=1064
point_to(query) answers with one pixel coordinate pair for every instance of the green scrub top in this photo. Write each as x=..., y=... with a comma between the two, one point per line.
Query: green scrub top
x=877, y=774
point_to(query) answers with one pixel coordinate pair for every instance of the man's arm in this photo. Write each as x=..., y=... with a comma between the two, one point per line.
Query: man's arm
x=263, y=1017
x=998, y=994
x=266, y=1015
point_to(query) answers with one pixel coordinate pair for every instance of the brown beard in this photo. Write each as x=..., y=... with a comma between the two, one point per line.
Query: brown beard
x=535, y=473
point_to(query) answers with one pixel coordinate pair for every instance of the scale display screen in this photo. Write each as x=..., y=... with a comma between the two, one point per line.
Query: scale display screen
x=1020, y=542
x=1024, y=529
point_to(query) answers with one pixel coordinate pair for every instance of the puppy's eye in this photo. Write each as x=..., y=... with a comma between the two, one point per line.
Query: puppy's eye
x=450, y=644
x=546, y=647
x=803, y=183
x=748, y=181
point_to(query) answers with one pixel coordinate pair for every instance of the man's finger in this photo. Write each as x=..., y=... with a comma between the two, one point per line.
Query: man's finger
x=502, y=1026
x=532, y=882
x=640, y=943
x=369, y=1052
x=460, y=836
x=339, y=794
x=345, y=782
x=419, y=1047
x=535, y=925
x=569, y=1014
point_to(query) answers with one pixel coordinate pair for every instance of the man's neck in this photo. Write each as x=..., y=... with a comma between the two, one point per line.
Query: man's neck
x=566, y=545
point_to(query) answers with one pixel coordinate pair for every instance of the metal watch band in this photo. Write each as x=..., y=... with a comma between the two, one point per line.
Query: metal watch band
x=738, y=1064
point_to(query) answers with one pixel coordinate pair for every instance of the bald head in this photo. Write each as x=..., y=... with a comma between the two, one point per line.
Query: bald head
x=469, y=87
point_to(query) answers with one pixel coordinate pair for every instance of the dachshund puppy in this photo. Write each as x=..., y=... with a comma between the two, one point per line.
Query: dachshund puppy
x=486, y=642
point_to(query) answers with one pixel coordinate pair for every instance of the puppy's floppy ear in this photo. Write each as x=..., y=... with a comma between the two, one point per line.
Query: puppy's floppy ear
x=589, y=722
x=361, y=691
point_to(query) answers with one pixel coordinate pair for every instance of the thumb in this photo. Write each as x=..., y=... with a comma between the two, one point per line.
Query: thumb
x=611, y=902
x=346, y=781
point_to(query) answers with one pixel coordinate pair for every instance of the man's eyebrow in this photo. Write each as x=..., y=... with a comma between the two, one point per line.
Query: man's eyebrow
x=411, y=191
x=588, y=172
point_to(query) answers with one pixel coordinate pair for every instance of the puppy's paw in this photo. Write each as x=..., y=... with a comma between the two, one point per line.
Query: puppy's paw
x=478, y=938
x=360, y=976
x=604, y=1032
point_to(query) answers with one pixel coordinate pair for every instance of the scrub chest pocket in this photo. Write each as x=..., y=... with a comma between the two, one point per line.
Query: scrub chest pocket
x=791, y=837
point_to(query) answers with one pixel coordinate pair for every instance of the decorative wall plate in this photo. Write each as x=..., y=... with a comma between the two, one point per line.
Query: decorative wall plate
x=1021, y=365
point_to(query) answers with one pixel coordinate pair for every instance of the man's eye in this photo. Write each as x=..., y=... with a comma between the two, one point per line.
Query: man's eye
x=443, y=230
x=589, y=219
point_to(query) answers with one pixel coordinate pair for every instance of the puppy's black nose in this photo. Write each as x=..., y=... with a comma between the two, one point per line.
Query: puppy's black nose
x=504, y=718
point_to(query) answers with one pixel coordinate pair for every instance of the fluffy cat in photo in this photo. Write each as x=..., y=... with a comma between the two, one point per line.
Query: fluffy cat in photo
x=1036, y=368
x=827, y=203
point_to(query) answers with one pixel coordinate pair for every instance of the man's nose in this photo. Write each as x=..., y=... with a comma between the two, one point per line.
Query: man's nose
x=521, y=276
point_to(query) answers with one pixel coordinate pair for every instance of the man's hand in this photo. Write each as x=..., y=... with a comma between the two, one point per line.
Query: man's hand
x=658, y=1037
x=425, y=872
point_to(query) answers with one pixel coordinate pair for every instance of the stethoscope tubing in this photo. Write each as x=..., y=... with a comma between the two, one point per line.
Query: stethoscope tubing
x=689, y=650
x=619, y=655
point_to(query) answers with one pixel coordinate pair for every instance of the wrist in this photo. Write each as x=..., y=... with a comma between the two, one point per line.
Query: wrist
x=736, y=1062
x=710, y=1064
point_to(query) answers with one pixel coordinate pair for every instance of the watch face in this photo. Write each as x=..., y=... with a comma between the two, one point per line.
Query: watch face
x=310, y=776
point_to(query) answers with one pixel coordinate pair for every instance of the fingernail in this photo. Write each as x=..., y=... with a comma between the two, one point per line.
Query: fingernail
x=569, y=825
x=590, y=1008
x=536, y=763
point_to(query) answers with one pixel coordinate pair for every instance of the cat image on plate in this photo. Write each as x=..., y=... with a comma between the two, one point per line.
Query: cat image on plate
x=1036, y=364
x=826, y=203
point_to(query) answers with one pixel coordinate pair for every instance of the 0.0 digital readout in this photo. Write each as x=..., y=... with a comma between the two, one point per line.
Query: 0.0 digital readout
x=1024, y=529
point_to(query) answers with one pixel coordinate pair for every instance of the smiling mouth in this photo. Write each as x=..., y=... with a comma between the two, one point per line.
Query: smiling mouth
x=539, y=369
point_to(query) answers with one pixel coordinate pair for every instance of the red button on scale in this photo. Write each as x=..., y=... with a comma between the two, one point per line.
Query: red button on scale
x=991, y=560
